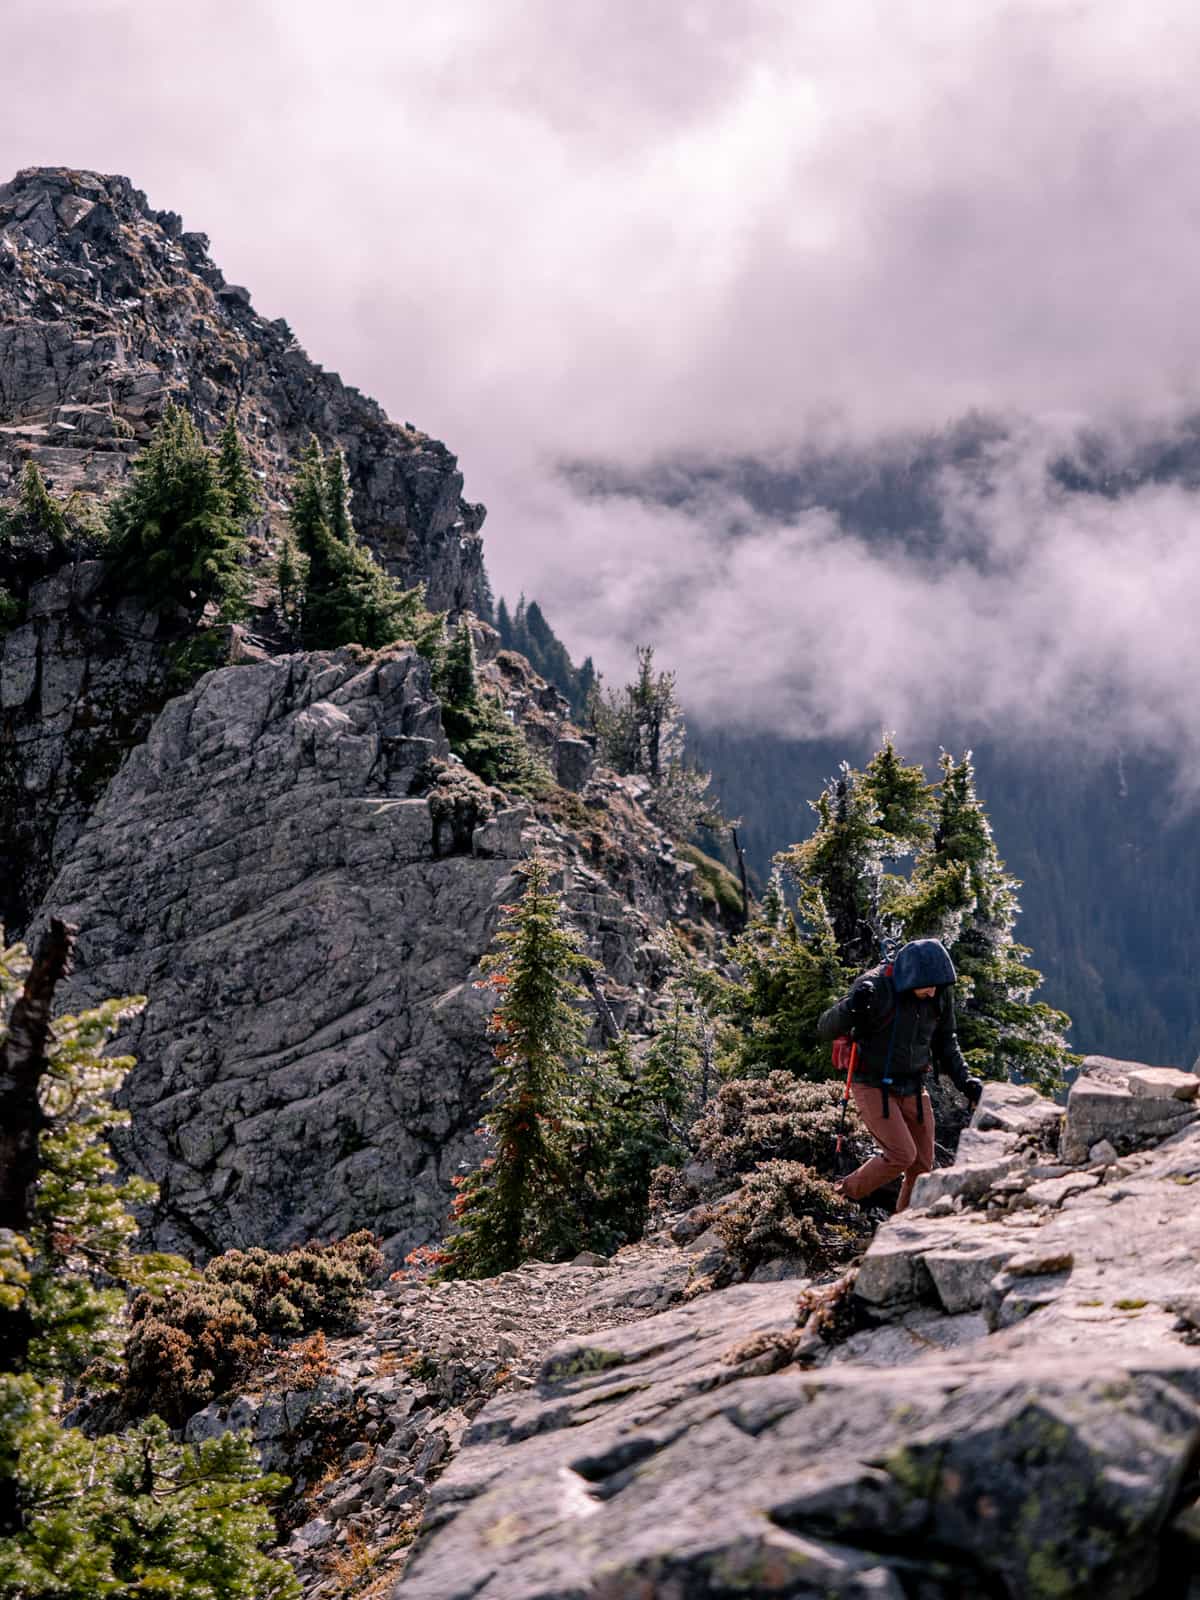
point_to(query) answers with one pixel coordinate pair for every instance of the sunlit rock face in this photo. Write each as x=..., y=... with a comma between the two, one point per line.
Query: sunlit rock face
x=1017, y=1413
x=108, y=308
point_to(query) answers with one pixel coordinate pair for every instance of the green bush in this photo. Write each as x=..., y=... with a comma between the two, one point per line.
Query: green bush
x=194, y=1343
x=459, y=802
x=785, y=1209
x=776, y=1118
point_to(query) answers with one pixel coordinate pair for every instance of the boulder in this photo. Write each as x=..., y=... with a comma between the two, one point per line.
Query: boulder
x=1164, y=1083
x=1102, y=1106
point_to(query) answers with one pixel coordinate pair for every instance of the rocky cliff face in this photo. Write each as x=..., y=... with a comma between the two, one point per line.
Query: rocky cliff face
x=108, y=308
x=80, y=682
x=272, y=870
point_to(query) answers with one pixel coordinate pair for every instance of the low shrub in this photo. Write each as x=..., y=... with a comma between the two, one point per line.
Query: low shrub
x=776, y=1118
x=192, y=1344
x=459, y=802
x=785, y=1209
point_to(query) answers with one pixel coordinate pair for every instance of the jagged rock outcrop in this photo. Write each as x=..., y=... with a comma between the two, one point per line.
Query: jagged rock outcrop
x=1019, y=1414
x=81, y=680
x=108, y=308
x=269, y=869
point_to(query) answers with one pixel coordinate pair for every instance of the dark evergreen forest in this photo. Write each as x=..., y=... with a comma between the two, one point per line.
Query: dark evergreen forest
x=1111, y=878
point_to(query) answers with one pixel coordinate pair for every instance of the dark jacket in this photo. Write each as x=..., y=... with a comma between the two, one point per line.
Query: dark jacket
x=882, y=1011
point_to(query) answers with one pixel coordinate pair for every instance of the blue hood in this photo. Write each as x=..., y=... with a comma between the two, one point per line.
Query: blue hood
x=923, y=962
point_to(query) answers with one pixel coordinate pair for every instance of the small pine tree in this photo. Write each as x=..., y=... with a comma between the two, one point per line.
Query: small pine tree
x=513, y=1205
x=584, y=685
x=480, y=732
x=348, y=598
x=235, y=474
x=642, y=731
x=963, y=895
x=458, y=686
x=771, y=911
x=172, y=534
x=40, y=512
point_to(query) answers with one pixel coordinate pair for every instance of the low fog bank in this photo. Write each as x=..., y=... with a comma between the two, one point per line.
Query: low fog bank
x=1003, y=580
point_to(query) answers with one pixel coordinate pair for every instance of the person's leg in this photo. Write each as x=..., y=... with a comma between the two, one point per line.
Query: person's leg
x=922, y=1137
x=897, y=1147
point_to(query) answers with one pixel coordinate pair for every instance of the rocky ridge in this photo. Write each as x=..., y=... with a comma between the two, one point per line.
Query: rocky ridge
x=1003, y=1400
x=306, y=911
x=108, y=308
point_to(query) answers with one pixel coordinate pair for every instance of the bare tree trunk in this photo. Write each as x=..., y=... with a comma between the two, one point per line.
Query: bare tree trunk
x=22, y=1066
x=741, y=861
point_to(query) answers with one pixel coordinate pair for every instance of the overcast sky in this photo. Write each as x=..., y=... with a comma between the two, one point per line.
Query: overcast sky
x=545, y=229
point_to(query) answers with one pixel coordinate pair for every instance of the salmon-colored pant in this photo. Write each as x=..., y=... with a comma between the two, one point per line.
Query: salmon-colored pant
x=906, y=1145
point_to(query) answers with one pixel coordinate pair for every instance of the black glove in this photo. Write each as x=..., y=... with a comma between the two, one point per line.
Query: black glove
x=861, y=998
x=972, y=1088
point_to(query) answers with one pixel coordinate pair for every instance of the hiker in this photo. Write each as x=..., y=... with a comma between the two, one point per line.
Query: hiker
x=903, y=1021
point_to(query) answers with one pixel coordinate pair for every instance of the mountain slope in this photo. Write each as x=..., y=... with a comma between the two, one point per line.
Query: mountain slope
x=108, y=308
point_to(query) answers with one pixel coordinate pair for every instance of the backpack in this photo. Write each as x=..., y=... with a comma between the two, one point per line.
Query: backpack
x=845, y=1046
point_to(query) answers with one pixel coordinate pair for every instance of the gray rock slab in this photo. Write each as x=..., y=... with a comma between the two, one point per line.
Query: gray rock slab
x=1101, y=1107
x=644, y=1463
x=1164, y=1083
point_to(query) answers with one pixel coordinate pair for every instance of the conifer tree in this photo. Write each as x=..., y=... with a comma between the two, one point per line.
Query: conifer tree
x=584, y=684
x=515, y=1204
x=843, y=862
x=337, y=498
x=642, y=730
x=963, y=895
x=235, y=474
x=904, y=801
x=38, y=509
x=291, y=576
x=771, y=911
x=172, y=533
x=788, y=975
x=458, y=685
x=479, y=731
x=129, y=1512
x=631, y=1116
x=348, y=598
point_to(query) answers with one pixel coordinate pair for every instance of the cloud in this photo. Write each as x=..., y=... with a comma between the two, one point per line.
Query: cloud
x=1041, y=611
x=549, y=232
